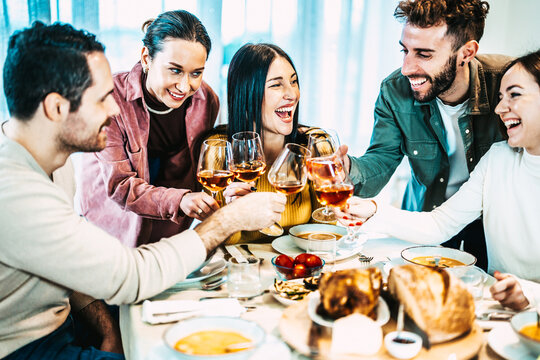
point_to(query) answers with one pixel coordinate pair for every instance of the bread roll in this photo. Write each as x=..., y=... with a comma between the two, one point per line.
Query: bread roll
x=350, y=291
x=437, y=301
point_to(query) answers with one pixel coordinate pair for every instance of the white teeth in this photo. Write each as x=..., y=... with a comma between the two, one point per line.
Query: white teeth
x=417, y=82
x=285, y=109
x=176, y=96
x=511, y=122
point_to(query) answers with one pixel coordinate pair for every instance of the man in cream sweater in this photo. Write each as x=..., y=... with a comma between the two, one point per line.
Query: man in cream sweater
x=58, y=87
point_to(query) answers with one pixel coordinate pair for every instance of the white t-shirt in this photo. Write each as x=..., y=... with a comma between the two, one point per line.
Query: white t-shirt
x=505, y=188
x=459, y=173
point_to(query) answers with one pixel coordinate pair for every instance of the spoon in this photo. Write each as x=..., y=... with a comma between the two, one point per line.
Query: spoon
x=239, y=346
x=399, y=327
x=537, y=317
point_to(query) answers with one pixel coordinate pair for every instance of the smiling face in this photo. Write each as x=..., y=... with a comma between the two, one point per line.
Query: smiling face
x=429, y=61
x=281, y=96
x=175, y=72
x=519, y=109
x=84, y=130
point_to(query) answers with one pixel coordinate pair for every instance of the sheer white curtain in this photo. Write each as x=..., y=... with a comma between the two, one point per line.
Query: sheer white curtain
x=337, y=46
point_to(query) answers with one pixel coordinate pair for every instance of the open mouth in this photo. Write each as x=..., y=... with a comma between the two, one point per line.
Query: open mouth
x=285, y=112
x=177, y=96
x=510, y=124
x=417, y=82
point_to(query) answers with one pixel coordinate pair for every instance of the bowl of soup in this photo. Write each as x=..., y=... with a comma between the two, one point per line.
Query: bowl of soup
x=525, y=326
x=214, y=337
x=456, y=261
x=319, y=236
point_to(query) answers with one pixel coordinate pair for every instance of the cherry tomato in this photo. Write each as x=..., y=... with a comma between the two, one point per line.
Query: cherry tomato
x=313, y=261
x=299, y=271
x=285, y=261
x=301, y=258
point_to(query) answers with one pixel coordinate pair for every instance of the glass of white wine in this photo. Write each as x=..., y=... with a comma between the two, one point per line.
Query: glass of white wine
x=248, y=162
x=324, y=166
x=214, y=168
x=288, y=175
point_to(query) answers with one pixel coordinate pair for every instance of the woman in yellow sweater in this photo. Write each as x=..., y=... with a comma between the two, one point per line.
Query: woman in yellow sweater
x=263, y=95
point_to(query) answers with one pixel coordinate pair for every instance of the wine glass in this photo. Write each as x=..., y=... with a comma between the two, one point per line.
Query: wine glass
x=288, y=175
x=214, y=168
x=334, y=190
x=247, y=156
x=324, y=164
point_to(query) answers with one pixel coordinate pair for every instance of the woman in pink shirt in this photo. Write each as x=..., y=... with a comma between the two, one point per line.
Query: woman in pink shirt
x=142, y=186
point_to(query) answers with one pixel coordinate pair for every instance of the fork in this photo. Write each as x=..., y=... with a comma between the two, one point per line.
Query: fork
x=364, y=258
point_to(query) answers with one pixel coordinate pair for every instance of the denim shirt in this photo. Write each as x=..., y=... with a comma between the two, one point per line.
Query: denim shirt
x=406, y=127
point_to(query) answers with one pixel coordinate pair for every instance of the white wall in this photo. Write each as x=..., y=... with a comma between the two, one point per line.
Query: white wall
x=512, y=27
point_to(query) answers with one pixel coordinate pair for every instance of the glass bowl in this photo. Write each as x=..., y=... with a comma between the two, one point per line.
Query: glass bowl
x=285, y=273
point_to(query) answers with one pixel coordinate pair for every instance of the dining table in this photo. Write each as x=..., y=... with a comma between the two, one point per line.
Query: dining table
x=143, y=341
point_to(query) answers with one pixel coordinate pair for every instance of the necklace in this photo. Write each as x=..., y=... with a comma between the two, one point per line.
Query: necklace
x=159, y=112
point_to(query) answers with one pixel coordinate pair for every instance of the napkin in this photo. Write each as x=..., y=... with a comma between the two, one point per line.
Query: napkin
x=165, y=311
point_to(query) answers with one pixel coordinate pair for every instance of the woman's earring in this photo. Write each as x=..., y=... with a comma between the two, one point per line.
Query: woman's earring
x=145, y=70
x=462, y=63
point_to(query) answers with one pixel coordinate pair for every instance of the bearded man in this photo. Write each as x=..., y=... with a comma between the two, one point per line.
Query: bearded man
x=438, y=110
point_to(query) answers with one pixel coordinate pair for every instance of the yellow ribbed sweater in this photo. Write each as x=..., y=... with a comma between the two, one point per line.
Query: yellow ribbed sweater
x=297, y=210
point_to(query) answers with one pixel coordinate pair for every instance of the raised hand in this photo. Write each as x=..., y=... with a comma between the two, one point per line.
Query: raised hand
x=508, y=292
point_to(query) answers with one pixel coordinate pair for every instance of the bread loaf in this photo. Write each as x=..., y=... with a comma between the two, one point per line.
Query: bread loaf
x=350, y=291
x=437, y=301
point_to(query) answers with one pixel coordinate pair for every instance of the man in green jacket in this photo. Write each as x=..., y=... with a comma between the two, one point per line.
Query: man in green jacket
x=438, y=109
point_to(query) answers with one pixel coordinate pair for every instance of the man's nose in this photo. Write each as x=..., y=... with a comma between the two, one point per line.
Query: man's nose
x=409, y=66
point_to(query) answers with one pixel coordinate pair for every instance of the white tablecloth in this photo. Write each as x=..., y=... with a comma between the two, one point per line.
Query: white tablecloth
x=143, y=341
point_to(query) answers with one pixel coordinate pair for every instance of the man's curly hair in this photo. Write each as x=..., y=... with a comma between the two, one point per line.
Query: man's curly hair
x=465, y=18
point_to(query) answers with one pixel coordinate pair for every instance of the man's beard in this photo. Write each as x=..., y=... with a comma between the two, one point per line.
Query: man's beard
x=74, y=136
x=441, y=83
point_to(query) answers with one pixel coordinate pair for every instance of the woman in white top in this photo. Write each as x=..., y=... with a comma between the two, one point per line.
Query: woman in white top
x=504, y=189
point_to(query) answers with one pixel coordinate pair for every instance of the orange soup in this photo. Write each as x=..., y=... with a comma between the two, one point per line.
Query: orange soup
x=430, y=261
x=531, y=331
x=319, y=235
x=211, y=342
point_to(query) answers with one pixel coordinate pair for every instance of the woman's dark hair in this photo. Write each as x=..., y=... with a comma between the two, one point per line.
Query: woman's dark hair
x=177, y=24
x=43, y=59
x=529, y=62
x=245, y=88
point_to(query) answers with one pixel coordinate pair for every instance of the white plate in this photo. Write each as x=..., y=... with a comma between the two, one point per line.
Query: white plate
x=285, y=245
x=504, y=341
x=209, y=270
x=283, y=300
x=383, y=313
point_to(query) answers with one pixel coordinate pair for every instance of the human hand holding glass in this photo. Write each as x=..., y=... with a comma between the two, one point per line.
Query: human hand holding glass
x=214, y=167
x=288, y=175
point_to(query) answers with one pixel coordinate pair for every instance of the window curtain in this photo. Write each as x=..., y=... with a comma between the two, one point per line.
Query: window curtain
x=337, y=46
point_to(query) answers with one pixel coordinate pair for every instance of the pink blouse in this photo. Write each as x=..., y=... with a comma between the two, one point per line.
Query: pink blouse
x=113, y=189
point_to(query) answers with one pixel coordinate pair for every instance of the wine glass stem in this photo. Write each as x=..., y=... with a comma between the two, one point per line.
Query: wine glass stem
x=326, y=210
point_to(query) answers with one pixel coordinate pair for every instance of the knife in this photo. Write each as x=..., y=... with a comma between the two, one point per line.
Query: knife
x=233, y=250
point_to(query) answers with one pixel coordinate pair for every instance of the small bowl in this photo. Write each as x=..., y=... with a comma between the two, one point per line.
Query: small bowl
x=184, y=328
x=427, y=250
x=520, y=320
x=303, y=243
x=403, y=350
x=288, y=274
